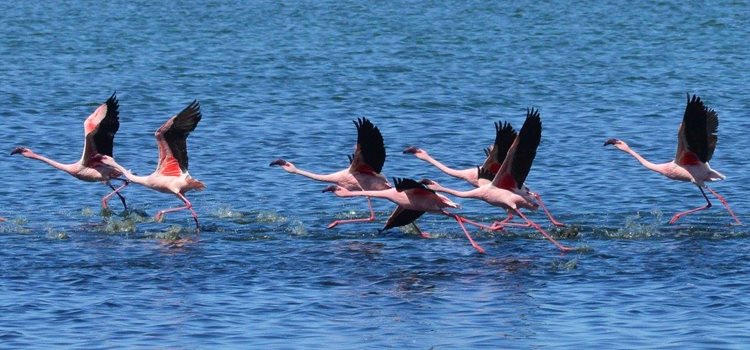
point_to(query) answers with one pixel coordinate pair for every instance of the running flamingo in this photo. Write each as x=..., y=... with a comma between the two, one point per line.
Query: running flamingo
x=171, y=174
x=364, y=169
x=504, y=137
x=696, y=142
x=412, y=199
x=505, y=189
x=99, y=134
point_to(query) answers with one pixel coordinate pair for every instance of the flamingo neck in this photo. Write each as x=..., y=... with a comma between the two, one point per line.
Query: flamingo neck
x=141, y=180
x=450, y=171
x=462, y=194
x=68, y=168
x=332, y=178
x=651, y=166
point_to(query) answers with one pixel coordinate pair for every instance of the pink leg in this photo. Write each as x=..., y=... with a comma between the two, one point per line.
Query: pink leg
x=187, y=206
x=369, y=219
x=473, y=244
x=546, y=235
x=506, y=223
x=116, y=191
x=422, y=234
x=544, y=207
x=681, y=214
x=492, y=227
x=726, y=205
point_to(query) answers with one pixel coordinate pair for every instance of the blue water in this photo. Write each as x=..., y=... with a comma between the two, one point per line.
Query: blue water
x=285, y=79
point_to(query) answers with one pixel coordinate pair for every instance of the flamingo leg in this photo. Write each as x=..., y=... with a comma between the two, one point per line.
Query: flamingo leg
x=116, y=191
x=422, y=234
x=187, y=206
x=492, y=227
x=460, y=223
x=681, y=214
x=546, y=235
x=546, y=211
x=498, y=225
x=726, y=205
x=368, y=219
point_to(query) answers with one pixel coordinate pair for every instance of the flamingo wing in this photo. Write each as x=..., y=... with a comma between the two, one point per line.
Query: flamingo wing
x=697, y=136
x=369, y=153
x=504, y=137
x=484, y=176
x=401, y=217
x=100, y=129
x=171, y=138
x=404, y=184
x=521, y=153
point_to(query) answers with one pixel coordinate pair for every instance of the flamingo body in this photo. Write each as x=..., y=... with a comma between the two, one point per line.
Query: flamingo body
x=99, y=131
x=412, y=199
x=364, y=171
x=696, y=142
x=171, y=174
x=506, y=189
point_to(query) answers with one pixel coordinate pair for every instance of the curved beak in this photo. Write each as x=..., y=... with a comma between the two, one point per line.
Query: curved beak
x=611, y=142
x=410, y=150
x=278, y=162
x=16, y=150
x=426, y=182
x=330, y=188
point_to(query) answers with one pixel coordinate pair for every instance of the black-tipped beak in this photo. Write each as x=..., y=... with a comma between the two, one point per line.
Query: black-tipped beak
x=410, y=150
x=16, y=150
x=611, y=142
x=278, y=162
x=331, y=188
x=426, y=182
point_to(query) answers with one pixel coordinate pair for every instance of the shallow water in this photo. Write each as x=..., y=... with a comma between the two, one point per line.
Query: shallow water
x=285, y=80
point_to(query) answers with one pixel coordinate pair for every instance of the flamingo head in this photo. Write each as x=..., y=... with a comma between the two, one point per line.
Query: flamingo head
x=102, y=159
x=427, y=182
x=332, y=188
x=432, y=185
x=417, y=152
x=619, y=144
x=21, y=150
x=279, y=162
x=287, y=166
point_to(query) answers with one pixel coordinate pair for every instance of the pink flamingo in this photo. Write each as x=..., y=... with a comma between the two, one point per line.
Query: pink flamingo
x=364, y=169
x=99, y=134
x=171, y=174
x=504, y=137
x=505, y=189
x=412, y=199
x=696, y=142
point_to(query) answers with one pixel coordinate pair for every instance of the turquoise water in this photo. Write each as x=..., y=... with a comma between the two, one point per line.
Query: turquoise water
x=285, y=79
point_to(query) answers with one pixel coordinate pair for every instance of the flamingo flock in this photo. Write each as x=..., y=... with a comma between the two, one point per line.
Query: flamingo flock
x=499, y=181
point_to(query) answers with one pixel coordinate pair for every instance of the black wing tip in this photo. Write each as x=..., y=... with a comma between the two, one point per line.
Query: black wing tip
x=533, y=113
x=483, y=173
x=193, y=111
x=113, y=104
x=365, y=123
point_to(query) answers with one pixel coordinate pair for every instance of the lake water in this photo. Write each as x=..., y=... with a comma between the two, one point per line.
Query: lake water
x=285, y=79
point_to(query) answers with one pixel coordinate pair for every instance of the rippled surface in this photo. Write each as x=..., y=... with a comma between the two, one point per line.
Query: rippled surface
x=285, y=80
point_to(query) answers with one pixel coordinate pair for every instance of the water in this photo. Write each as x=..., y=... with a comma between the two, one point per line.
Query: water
x=285, y=79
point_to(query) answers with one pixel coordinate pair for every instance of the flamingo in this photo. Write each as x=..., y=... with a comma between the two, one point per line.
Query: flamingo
x=99, y=133
x=171, y=174
x=505, y=189
x=412, y=199
x=504, y=136
x=696, y=142
x=364, y=169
